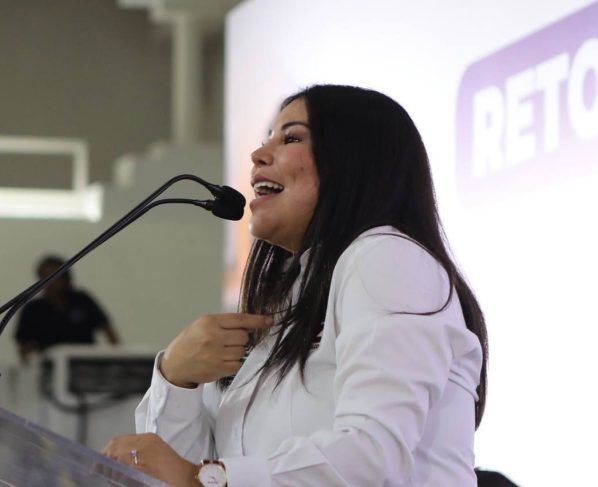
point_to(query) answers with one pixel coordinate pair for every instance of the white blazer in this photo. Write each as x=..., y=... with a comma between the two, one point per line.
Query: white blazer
x=388, y=398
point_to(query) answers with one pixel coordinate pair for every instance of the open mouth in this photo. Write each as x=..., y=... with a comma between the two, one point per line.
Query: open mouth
x=265, y=188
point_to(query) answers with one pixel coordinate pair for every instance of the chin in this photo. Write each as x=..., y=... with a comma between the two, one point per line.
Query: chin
x=259, y=233
x=258, y=230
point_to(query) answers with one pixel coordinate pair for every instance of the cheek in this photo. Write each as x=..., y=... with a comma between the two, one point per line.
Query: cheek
x=313, y=186
x=307, y=173
x=309, y=201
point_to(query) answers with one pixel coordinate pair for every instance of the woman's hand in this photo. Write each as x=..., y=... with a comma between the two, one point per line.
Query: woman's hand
x=152, y=455
x=210, y=348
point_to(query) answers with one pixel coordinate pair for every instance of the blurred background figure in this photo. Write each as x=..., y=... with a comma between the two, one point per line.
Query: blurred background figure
x=62, y=314
x=490, y=478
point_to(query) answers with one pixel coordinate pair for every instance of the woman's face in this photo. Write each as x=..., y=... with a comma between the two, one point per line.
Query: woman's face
x=285, y=180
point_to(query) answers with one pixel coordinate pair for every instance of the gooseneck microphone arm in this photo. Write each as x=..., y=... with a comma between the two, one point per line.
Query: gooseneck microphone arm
x=228, y=204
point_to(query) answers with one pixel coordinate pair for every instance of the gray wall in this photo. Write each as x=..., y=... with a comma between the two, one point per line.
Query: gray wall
x=89, y=69
x=80, y=68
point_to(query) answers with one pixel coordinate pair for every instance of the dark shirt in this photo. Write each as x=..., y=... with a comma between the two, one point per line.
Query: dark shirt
x=42, y=324
x=490, y=478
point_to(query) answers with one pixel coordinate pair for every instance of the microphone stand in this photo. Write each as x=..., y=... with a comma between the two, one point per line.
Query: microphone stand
x=219, y=206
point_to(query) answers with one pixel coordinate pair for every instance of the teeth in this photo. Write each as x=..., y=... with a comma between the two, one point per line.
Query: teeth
x=268, y=184
x=267, y=187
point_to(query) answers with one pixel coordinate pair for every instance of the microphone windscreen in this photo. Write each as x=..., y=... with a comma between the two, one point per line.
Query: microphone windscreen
x=232, y=196
x=227, y=210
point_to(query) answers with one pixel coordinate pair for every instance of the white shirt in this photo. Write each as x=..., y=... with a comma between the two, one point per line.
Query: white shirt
x=388, y=398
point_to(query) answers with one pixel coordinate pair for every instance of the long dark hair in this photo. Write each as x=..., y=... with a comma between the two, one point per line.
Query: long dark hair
x=373, y=170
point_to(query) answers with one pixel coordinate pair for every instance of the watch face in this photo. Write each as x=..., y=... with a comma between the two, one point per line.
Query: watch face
x=212, y=475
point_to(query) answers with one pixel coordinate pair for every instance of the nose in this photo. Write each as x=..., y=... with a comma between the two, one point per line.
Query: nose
x=261, y=156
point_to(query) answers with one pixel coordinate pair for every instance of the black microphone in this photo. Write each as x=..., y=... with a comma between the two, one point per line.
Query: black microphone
x=228, y=204
x=231, y=196
x=224, y=210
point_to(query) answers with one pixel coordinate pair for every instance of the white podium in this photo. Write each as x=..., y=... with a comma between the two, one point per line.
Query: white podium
x=85, y=393
x=31, y=456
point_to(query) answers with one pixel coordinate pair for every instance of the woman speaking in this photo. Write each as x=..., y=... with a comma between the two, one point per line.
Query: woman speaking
x=359, y=353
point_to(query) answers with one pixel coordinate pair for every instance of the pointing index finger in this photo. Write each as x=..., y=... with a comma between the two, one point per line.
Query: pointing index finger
x=245, y=320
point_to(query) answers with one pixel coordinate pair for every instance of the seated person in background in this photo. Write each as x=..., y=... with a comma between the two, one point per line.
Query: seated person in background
x=61, y=315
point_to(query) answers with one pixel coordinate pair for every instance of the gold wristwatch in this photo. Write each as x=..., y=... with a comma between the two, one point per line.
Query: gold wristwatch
x=211, y=473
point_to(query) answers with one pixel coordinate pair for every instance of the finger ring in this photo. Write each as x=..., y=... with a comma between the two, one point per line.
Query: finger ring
x=134, y=456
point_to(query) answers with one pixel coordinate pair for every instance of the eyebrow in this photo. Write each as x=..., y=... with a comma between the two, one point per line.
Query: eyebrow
x=290, y=124
x=293, y=122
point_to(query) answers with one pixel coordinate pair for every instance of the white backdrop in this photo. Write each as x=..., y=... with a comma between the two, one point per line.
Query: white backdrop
x=516, y=178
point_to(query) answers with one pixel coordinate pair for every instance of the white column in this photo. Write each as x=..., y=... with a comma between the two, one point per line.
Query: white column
x=187, y=85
